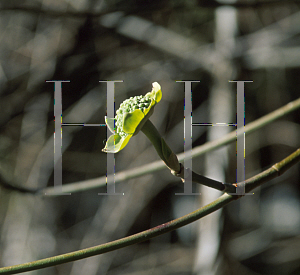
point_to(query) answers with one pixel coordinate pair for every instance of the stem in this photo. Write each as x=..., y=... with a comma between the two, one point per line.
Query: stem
x=226, y=187
x=276, y=170
x=194, y=177
x=162, y=148
x=151, y=132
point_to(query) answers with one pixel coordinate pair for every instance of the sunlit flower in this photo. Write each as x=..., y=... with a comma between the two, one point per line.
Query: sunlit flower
x=130, y=118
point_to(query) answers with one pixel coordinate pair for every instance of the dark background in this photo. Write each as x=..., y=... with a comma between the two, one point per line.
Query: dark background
x=140, y=42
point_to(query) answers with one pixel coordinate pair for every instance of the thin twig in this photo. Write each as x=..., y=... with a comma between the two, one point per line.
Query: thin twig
x=197, y=178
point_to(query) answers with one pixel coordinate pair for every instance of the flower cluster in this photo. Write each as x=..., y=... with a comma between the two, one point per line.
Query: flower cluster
x=129, y=106
x=130, y=118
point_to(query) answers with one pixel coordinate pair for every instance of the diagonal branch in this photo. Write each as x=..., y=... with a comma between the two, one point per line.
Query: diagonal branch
x=276, y=170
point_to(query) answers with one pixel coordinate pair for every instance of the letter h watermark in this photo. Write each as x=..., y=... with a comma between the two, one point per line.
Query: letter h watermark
x=240, y=137
x=110, y=170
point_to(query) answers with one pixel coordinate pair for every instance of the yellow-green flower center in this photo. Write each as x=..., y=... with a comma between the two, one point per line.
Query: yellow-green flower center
x=128, y=106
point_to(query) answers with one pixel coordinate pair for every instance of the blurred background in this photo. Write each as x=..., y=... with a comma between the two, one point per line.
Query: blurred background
x=140, y=42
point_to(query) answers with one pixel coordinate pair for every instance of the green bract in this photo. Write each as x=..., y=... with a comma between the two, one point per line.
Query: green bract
x=130, y=118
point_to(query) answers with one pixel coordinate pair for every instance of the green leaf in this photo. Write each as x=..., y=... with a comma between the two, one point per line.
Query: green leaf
x=110, y=122
x=110, y=144
x=132, y=120
x=123, y=142
x=115, y=143
x=156, y=93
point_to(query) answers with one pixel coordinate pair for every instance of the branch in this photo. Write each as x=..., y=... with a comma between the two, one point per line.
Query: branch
x=159, y=165
x=194, y=177
x=276, y=170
